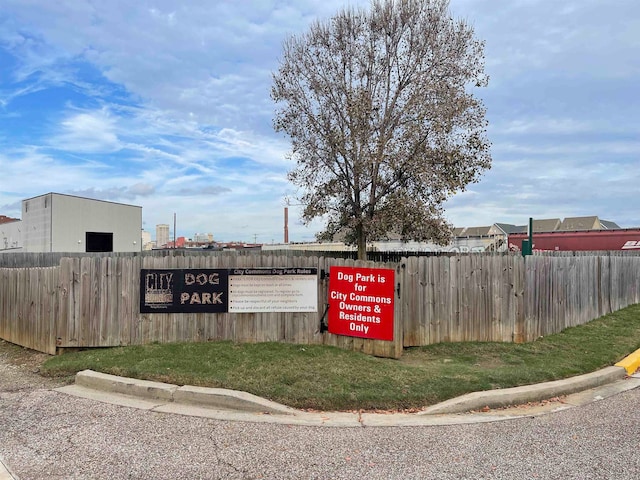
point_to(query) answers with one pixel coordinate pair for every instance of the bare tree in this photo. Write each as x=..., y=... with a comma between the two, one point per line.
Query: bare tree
x=383, y=124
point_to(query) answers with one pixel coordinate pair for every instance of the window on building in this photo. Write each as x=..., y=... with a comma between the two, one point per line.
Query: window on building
x=99, y=242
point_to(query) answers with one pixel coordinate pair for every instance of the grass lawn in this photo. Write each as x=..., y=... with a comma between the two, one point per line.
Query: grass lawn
x=328, y=378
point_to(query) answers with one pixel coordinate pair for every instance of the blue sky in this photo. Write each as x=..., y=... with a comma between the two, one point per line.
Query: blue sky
x=166, y=105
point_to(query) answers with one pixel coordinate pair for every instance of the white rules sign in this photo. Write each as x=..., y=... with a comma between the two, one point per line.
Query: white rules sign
x=273, y=290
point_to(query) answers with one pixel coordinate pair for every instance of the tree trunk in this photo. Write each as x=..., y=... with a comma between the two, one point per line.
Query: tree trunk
x=362, y=243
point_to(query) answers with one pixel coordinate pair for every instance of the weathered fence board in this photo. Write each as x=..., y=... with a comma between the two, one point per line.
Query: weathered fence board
x=458, y=298
x=28, y=307
x=101, y=317
x=94, y=300
x=565, y=291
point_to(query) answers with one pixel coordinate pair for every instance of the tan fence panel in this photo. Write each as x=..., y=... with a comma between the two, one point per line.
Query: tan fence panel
x=460, y=298
x=8, y=303
x=565, y=291
x=623, y=282
x=95, y=300
x=28, y=307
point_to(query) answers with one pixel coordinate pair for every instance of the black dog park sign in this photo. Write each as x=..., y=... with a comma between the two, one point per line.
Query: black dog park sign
x=223, y=290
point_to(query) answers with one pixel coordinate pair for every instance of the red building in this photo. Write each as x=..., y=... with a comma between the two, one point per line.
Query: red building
x=624, y=239
x=5, y=219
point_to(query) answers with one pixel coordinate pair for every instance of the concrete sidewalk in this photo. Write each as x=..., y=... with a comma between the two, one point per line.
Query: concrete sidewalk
x=5, y=474
x=232, y=405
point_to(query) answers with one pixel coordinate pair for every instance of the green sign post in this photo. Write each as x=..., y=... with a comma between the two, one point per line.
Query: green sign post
x=527, y=245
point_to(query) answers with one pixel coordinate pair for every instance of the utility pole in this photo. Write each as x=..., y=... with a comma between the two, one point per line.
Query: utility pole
x=286, y=224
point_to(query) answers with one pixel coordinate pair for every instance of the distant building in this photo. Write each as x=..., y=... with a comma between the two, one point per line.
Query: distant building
x=500, y=232
x=472, y=231
x=10, y=234
x=162, y=235
x=147, y=244
x=586, y=223
x=544, y=225
x=557, y=225
x=203, y=238
x=65, y=223
x=5, y=219
x=180, y=242
x=609, y=225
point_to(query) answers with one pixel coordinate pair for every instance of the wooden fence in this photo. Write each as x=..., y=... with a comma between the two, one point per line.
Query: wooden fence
x=509, y=298
x=29, y=313
x=94, y=301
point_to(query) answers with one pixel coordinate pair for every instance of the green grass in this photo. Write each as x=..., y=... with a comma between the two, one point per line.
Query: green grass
x=328, y=378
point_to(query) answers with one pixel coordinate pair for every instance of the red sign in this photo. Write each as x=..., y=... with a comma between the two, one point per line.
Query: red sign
x=361, y=302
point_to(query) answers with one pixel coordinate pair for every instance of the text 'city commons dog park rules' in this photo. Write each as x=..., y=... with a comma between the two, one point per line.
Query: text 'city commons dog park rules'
x=361, y=302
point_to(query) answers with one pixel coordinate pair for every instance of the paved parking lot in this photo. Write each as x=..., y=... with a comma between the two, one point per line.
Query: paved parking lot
x=49, y=435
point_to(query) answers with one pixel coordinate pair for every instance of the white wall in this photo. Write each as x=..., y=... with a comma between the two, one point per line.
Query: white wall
x=58, y=223
x=73, y=217
x=11, y=236
x=36, y=224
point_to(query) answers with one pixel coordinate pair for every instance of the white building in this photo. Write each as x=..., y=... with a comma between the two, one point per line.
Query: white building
x=162, y=235
x=203, y=238
x=11, y=235
x=147, y=244
x=64, y=223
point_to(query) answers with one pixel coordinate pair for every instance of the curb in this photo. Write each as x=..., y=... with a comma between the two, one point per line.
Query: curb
x=528, y=393
x=232, y=405
x=243, y=402
x=207, y=397
x=630, y=363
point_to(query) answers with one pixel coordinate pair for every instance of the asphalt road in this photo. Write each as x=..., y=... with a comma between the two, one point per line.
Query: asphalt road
x=49, y=435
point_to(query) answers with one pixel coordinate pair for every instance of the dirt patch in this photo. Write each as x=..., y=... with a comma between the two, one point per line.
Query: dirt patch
x=22, y=357
x=20, y=367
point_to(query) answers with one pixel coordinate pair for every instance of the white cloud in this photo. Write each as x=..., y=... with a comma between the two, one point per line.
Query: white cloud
x=87, y=132
x=167, y=105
